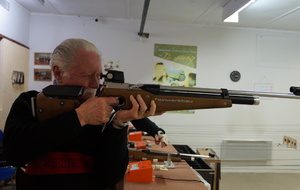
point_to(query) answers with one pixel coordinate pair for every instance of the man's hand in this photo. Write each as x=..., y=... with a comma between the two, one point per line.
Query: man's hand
x=161, y=138
x=139, y=110
x=96, y=111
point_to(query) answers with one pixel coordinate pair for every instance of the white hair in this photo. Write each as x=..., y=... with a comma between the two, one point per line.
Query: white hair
x=63, y=55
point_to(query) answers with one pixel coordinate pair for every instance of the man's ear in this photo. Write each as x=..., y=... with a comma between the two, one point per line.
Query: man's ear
x=57, y=73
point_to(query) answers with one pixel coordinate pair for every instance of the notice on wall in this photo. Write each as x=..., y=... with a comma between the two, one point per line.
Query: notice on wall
x=263, y=87
x=111, y=65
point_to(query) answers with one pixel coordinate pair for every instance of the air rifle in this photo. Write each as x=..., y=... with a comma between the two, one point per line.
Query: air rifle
x=141, y=154
x=56, y=99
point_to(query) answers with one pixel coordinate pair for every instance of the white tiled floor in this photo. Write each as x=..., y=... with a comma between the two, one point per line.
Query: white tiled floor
x=260, y=181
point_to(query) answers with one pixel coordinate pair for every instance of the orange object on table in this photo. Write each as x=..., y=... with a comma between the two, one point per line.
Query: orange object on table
x=140, y=172
x=135, y=136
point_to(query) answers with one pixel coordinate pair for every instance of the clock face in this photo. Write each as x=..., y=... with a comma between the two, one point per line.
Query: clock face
x=235, y=76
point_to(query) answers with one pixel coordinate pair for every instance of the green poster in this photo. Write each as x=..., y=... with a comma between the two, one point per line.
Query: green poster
x=175, y=65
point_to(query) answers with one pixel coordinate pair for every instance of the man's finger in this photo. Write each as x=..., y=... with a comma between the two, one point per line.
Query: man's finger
x=143, y=106
x=111, y=100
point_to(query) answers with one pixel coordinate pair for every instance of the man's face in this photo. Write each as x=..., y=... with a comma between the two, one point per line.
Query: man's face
x=85, y=72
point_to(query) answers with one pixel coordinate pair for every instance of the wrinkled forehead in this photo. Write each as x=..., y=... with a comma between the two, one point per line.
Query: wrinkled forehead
x=84, y=60
x=87, y=56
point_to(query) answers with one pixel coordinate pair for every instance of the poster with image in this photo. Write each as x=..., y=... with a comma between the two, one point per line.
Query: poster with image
x=175, y=65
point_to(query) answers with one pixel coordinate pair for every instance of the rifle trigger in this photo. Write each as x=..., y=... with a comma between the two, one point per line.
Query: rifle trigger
x=225, y=93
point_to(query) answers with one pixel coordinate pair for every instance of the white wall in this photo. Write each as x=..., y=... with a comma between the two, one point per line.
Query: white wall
x=220, y=51
x=15, y=23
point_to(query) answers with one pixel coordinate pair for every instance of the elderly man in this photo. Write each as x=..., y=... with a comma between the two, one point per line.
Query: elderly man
x=71, y=150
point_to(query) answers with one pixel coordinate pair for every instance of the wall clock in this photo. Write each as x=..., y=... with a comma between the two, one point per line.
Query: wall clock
x=235, y=76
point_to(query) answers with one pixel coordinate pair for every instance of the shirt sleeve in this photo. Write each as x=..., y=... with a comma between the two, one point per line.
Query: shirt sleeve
x=146, y=125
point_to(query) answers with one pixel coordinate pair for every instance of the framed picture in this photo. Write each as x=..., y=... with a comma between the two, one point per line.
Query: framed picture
x=42, y=58
x=42, y=75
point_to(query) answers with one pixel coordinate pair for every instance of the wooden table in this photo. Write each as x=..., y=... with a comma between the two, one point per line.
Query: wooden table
x=182, y=172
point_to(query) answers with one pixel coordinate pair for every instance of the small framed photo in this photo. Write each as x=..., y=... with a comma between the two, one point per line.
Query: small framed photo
x=42, y=75
x=42, y=58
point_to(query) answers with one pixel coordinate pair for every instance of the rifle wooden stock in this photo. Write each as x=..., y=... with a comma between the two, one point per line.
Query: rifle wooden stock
x=164, y=102
x=55, y=100
x=50, y=107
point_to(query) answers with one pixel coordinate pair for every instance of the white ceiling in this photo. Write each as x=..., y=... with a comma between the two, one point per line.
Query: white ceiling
x=269, y=14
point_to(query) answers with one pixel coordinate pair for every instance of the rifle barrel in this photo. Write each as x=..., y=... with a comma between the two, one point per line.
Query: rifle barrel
x=231, y=92
x=266, y=94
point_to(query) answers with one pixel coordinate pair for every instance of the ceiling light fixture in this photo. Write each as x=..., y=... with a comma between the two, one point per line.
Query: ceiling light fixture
x=232, y=8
